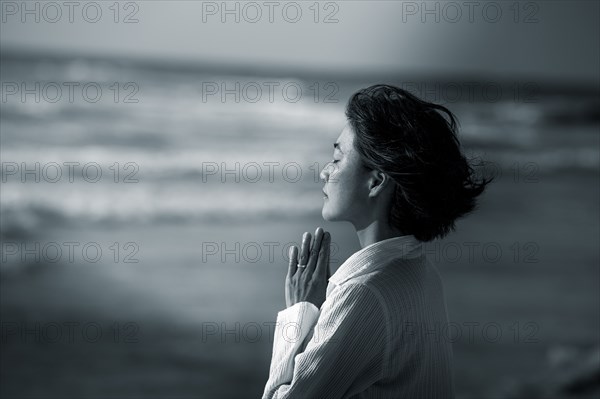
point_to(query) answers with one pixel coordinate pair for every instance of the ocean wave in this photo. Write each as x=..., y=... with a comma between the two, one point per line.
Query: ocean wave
x=28, y=207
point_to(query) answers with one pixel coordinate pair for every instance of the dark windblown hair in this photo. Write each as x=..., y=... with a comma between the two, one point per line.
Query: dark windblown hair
x=412, y=142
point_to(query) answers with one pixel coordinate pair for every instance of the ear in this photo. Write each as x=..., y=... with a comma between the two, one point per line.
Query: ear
x=378, y=181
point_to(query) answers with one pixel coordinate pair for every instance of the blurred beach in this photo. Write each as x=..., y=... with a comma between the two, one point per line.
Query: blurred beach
x=201, y=195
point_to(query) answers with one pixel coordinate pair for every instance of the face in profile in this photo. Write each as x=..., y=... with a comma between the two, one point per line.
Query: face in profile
x=346, y=190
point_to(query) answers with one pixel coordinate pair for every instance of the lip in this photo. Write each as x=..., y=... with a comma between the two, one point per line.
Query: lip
x=324, y=193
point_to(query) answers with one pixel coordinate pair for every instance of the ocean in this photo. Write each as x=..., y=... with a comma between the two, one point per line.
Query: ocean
x=156, y=202
x=176, y=145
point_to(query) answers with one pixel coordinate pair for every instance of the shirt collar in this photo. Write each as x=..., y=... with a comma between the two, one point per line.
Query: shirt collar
x=375, y=256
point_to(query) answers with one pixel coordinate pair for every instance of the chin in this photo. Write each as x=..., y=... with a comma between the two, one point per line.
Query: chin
x=324, y=214
x=327, y=215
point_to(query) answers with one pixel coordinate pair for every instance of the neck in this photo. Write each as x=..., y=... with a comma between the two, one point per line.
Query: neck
x=374, y=232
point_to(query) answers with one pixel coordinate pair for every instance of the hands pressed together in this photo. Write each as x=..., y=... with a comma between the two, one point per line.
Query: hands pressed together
x=307, y=276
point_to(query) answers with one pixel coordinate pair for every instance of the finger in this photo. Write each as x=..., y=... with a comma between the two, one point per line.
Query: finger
x=293, y=266
x=323, y=262
x=314, y=250
x=305, y=248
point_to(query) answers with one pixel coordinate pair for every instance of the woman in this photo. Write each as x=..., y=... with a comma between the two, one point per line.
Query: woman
x=377, y=328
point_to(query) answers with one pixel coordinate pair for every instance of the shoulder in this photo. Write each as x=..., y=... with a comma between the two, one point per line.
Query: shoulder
x=398, y=277
x=405, y=288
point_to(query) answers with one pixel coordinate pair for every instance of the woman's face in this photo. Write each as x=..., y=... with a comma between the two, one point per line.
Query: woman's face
x=346, y=183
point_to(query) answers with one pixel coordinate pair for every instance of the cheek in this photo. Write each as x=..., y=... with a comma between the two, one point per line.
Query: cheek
x=345, y=188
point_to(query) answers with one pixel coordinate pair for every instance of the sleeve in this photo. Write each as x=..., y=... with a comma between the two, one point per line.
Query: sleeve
x=345, y=353
x=293, y=326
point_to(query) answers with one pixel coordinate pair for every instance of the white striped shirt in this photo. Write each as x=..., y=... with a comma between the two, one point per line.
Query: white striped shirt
x=381, y=332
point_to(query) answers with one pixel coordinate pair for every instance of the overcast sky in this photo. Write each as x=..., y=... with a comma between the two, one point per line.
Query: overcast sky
x=545, y=40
